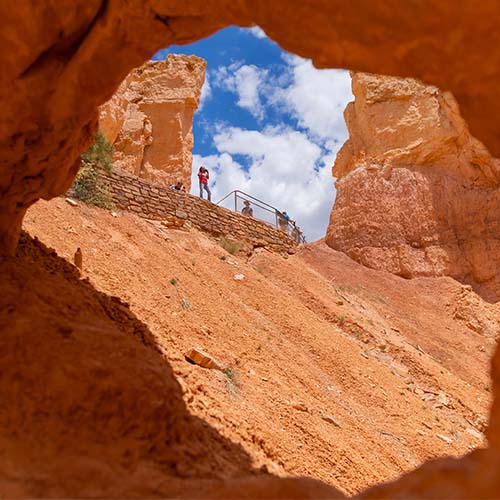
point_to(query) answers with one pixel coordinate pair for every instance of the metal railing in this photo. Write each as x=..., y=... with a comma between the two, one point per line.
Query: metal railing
x=276, y=217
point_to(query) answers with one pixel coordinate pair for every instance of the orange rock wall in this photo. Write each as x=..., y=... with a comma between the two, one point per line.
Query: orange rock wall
x=149, y=119
x=62, y=59
x=417, y=195
x=112, y=113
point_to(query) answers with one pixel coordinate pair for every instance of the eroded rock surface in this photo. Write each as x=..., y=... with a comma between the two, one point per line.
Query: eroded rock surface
x=149, y=119
x=62, y=59
x=417, y=195
x=368, y=362
x=90, y=406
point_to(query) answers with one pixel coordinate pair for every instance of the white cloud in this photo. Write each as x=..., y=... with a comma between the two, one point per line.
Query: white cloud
x=206, y=92
x=246, y=82
x=317, y=99
x=286, y=170
x=256, y=31
x=289, y=169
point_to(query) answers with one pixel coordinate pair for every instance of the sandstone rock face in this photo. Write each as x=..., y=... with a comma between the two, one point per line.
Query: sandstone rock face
x=112, y=113
x=149, y=119
x=417, y=195
x=62, y=59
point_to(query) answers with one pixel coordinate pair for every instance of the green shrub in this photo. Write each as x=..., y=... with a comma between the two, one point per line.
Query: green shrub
x=88, y=186
x=233, y=247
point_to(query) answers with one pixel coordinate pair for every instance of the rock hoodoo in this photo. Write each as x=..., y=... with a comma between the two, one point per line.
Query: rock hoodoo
x=149, y=119
x=417, y=195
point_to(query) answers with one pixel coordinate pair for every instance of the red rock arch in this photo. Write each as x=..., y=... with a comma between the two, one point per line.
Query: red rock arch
x=61, y=59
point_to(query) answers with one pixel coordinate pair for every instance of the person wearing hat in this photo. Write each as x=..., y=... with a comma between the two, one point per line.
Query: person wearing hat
x=178, y=186
x=247, y=209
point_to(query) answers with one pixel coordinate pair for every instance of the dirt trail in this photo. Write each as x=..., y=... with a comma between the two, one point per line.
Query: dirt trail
x=337, y=372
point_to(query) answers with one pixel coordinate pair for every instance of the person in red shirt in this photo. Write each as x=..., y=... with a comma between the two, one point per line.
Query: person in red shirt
x=203, y=178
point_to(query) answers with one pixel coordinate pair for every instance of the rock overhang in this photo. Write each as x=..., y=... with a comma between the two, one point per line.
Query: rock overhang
x=62, y=59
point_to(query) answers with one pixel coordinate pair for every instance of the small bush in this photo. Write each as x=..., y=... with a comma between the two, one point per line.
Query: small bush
x=88, y=186
x=230, y=373
x=231, y=247
x=173, y=281
x=341, y=319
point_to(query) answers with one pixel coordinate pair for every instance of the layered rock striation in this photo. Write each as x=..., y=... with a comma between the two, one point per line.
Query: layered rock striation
x=150, y=119
x=417, y=195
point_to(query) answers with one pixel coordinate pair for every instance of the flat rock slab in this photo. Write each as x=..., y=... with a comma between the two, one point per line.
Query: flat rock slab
x=201, y=358
x=71, y=202
x=181, y=214
x=330, y=419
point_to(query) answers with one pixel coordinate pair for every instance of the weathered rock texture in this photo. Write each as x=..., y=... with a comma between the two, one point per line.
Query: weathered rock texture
x=82, y=357
x=62, y=59
x=149, y=119
x=173, y=208
x=112, y=113
x=417, y=195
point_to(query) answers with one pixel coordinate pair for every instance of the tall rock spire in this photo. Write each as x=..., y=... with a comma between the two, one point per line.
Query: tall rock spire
x=150, y=119
x=417, y=195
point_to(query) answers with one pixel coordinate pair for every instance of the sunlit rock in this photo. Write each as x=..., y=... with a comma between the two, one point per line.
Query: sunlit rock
x=417, y=195
x=150, y=119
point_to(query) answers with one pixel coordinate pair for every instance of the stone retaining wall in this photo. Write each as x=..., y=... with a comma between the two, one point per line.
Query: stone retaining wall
x=157, y=202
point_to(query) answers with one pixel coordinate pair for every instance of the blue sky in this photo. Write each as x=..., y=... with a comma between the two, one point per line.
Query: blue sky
x=269, y=124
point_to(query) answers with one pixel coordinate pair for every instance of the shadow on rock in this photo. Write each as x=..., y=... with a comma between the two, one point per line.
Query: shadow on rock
x=89, y=406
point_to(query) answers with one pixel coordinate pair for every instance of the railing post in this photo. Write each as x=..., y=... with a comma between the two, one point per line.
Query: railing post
x=235, y=201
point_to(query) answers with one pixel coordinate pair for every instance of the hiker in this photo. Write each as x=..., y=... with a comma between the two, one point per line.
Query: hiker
x=282, y=220
x=203, y=178
x=178, y=186
x=247, y=209
x=287, y=217
x=296, y=233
